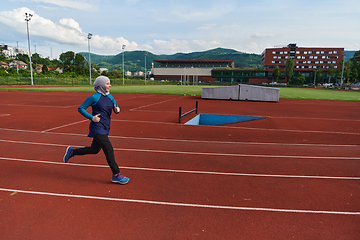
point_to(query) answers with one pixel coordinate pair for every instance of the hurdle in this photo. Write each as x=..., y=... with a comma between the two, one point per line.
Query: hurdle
x=183, y=115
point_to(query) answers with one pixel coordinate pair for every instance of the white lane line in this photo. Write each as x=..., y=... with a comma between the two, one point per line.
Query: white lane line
x=195, y=153
x=193, y=141
x=66, y=125
x=46, y=106
x=245, y=128
x=178, y=204
x=134, y=109
x=4, y=114
x=183, y=171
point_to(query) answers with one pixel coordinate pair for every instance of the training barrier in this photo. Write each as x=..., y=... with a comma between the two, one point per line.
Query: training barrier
x=183, y=115
x=242, y=92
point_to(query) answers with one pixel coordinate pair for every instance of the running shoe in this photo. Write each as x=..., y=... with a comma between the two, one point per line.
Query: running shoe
x=68, y=154
x=118, y=178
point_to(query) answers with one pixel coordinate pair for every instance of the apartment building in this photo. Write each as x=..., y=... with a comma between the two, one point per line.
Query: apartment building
x=306, y=59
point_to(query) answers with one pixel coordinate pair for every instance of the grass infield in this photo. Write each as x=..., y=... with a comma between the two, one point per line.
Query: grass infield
x=290, y=93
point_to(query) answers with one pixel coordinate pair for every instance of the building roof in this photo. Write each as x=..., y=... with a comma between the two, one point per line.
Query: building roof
x=190, y=63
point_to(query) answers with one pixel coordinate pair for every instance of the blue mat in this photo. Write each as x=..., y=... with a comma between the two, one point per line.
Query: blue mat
x=215, y=120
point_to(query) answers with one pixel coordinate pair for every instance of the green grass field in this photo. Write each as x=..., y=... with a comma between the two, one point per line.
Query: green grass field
x=291, y=93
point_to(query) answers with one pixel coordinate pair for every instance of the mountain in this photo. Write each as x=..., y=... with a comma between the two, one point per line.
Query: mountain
x=135, y=60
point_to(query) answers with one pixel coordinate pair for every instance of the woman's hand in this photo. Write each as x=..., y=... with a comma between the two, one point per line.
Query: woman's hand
x=96, y=118
x=116, y=109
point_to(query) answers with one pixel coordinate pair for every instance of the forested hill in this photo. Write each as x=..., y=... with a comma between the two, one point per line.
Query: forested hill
x=135, y=60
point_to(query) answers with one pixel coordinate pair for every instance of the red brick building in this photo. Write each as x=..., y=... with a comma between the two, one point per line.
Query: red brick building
x=306, y=59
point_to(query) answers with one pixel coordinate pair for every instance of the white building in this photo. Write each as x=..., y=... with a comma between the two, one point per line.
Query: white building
x=188, y=70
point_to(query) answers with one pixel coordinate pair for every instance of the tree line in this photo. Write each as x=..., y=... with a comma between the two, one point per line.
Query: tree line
x=72, y=65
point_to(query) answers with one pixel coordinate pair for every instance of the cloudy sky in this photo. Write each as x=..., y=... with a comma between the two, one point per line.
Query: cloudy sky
x=169, y=26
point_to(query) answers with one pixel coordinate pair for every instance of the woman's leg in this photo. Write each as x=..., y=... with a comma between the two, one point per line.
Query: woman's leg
x=94, y=149
x=104, y=142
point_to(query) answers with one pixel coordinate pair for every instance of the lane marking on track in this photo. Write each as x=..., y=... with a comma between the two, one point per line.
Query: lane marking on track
x=194, y=153
x=66, y=125
x=179, y=204
x=4, y=114
x=46, y=106
x=152, y=104
x=245, y=128
x=183, y=171
x=191, y=140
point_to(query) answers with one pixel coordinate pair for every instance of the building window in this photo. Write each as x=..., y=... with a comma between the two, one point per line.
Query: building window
x=297, y=52
x=334, y=62
x=273, y=52
x=335, y=52
x=272, y=61
x=315, y=57
x=330, y=52
x=310, y=52
x=317, y=52
x=305, y=52
x=274, y=58
x=322, y=52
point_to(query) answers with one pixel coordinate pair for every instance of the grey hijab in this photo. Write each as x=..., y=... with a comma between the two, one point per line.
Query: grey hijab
x=99, y=85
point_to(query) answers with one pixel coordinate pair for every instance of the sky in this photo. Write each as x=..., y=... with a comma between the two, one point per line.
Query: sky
x=172, y=26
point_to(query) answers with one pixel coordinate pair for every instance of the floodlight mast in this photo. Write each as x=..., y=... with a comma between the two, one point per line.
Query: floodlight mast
x=27, y=19
x=145, y=66
x=89, y=37
x=123, y=48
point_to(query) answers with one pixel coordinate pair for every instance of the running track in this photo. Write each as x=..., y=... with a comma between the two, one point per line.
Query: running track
x=293, y=175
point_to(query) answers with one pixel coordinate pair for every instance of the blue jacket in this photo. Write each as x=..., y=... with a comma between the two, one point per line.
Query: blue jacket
x=100, y=104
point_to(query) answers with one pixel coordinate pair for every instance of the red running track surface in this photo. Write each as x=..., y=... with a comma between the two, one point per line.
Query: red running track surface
x=293, y=175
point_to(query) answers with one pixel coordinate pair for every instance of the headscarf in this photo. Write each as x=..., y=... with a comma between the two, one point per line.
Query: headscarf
x=99, y=85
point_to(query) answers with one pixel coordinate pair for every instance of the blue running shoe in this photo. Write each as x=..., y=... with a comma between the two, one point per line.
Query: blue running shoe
x=68, y=154
x=118, y=178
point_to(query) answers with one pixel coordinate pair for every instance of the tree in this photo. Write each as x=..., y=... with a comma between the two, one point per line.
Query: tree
x=331, y=72
x=300, y=79
x=79, y=63
x=67, y=59
x=44, y=68
x=319, y=75
x=276, y=73
x=289, y=69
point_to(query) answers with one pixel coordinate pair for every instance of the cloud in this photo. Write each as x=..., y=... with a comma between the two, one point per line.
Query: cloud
x=262, y=36
x=66, y=31
x=131, y=1
x=175, y=45
x=76, y=4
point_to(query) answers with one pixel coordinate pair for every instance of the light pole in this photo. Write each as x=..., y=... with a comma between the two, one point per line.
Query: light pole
x=27, y=19
x=342, y=70
x=145, y=67
x=89, y=37
x=123, y=48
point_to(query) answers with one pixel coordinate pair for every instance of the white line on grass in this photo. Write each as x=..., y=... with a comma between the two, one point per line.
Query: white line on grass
x=196, y=153
x=183, y=171
x=178, y=204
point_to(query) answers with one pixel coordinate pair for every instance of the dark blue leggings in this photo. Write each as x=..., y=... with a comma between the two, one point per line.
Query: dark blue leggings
x=100, y=142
